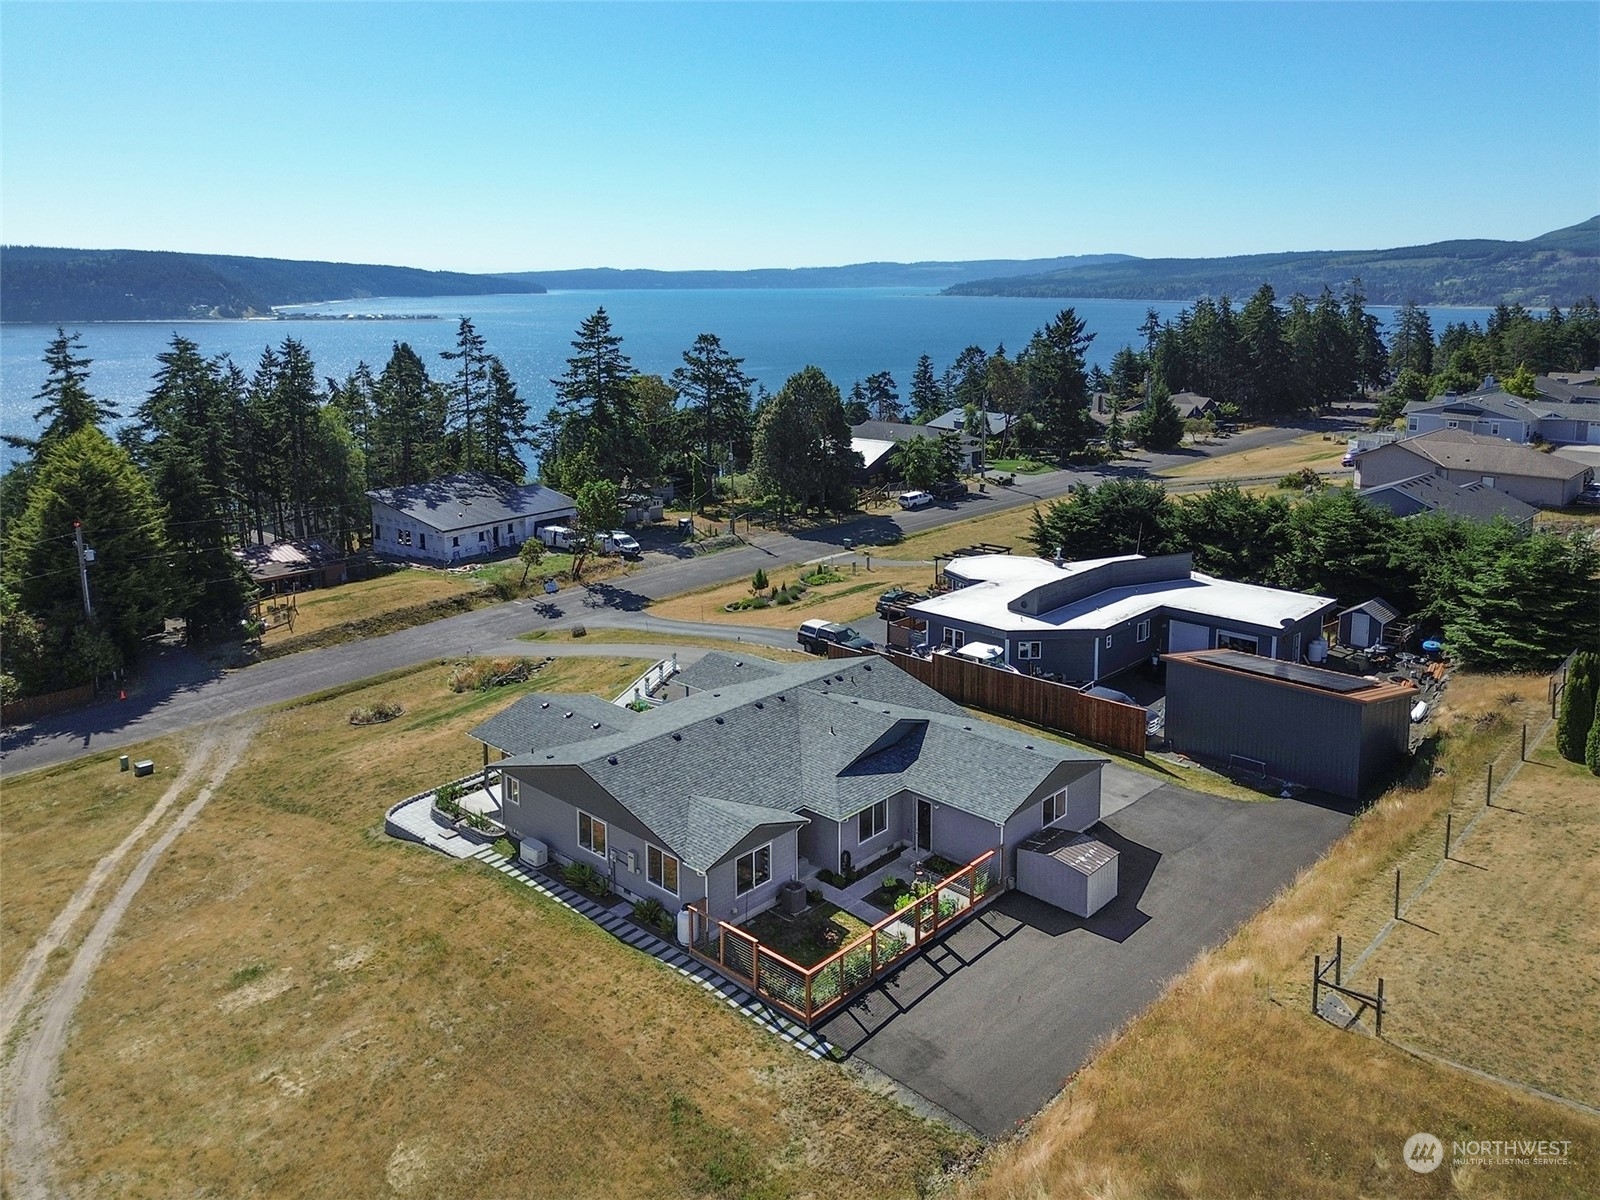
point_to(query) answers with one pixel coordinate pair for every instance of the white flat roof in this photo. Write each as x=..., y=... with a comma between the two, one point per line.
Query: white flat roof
x=1014, y=568
x=988, y=603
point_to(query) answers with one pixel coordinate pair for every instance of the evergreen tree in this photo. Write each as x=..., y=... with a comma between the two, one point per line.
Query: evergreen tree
x=883, y=397
x=65, y=404
x=469, y=397
x=1591, y=749
x=1495, y=628
x=918, y=462
x=1411, y=347
x=85, y=477
x=1577, y=715
x=1121, y=516
x=1053, y=365
x=716, y=395
x=408, y=422
x=505, y=424
x=802, y=445
x=927, y=396
x=592, y=426
x=1370, y=358
x=857, y=409
x=1158, y=425
x=1267, y=390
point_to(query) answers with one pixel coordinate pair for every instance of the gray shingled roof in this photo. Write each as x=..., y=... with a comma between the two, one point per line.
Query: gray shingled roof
x=472, y=498
x=718, y=670
x=829, y=737
x=1498, y=402
x=1458, y=450
x=1380, y=610
x=547, y=719
x=1473, y=501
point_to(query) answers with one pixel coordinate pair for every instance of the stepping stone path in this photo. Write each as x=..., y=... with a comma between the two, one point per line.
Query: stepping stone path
x=763, y=1014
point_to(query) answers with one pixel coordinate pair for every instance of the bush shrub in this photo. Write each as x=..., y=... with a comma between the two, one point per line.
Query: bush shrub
x=376, y=714
x=1577, y=708
x=759, y=583
x=481, y=674
x=447, y=800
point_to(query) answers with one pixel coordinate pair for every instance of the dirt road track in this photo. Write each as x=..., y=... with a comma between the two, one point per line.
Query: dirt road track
x=32, y=1073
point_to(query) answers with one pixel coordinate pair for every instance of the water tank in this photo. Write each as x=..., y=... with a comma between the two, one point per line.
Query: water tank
x=1318, y=651
x=685, y=929
x=1418, y=711
x=792, y=897
x=533, y=852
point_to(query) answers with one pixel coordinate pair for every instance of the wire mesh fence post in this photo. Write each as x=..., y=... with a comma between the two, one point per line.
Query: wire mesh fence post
x=1380, y=1006
x=1338, y=960
x=1488, y=785
x=1524, y=741
x=1316, y=981
x=1397, y=893
x=1448, y=817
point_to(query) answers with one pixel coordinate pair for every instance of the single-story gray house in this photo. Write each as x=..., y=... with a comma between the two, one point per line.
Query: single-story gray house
x=1461, y=458
x=1341, y=734
x=876, y=441
x=1560, y=413
x=956, y=418
x=718, y=798
x=1086, y=621
x=1473, y=501
x=462, y=516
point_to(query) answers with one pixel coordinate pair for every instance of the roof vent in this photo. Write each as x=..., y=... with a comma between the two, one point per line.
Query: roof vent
x=738, y=662
x=783, y=699
x=677, y=737
x=1060, y=558
x=719, y=720
x=549, y=755
x=759, y=704
x=612, y=760
x=596, y=725
x=565, y=716
x=546, y=704
x=968, y=728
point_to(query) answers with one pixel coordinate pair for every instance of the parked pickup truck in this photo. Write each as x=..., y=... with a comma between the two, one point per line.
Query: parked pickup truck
x=816, y=636
x=892, y=604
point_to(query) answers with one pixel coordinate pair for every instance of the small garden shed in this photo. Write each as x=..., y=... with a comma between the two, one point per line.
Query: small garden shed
x=1071, y=870
x=1365, y=625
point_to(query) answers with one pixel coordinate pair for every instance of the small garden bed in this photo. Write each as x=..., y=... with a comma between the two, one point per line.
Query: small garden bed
x=810, y=936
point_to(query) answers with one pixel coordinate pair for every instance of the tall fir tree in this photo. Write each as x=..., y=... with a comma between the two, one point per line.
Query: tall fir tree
x=927, y=396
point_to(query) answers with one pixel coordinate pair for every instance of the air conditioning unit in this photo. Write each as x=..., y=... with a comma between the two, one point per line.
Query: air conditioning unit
x=534, y=853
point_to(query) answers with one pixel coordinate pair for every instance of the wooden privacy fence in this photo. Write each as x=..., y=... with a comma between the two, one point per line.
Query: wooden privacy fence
x=809, y=993
x=1025, y=698
x=31, y=708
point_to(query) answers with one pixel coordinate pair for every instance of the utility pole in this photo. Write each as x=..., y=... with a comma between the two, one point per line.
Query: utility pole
x=85, y=557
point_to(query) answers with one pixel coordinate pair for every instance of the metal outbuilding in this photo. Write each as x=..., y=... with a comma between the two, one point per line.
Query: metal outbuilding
x=1073, y=871
x=1327, y=730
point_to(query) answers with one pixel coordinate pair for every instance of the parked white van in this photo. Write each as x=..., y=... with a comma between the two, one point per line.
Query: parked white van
x=985, y=654
x=915, y=499
x=615, y=541
x=557, y=537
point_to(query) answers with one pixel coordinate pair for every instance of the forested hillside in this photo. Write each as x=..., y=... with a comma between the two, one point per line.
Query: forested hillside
x=40, y=285
x=1561, y=267
x=872, y=274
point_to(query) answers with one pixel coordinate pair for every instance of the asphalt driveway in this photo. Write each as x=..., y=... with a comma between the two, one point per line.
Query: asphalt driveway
x=988, y=1024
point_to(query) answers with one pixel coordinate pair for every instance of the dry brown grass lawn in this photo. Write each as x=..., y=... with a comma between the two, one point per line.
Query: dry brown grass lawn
x=58, y=822
x=1008, y=528
x=606, y=635
x=1228, y=1087
x=1497, y=964
x=851, y=599
x=1313, y=450
x=324, y=607
x=298, y=1006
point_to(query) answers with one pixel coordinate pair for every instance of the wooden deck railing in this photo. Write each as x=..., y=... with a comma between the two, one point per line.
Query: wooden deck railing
x=809, y=993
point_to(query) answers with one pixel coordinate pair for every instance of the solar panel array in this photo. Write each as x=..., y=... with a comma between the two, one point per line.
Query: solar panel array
x=1272, y=668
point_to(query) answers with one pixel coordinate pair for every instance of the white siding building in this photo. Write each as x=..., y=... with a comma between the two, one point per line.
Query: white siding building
x=462, y=516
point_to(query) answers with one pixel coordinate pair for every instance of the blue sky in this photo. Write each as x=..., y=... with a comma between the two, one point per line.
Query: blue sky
x=511, y=136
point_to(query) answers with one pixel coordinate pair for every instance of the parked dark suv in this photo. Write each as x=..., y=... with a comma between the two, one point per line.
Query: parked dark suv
x=816, y=635
x=949, y=489
x=892, y=604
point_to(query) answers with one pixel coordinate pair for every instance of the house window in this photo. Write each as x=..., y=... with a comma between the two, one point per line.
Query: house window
x=1029, y=650
x=1488, y=481
x=1055, y=806
x=954, y=637
x=1411, y=424
x=405, y=537
x=377, y=532
x=513, y=791
x=480, y=535
x=1494, y=428
x=592, y=834
x=872, y=821
x=751, y=870
x=455, y=541
x=661, y=869
x=1238, y=641
x=422, y=541
x=1452, y=425
x=1141, y=632
x=1108, y=641
x=508, y=528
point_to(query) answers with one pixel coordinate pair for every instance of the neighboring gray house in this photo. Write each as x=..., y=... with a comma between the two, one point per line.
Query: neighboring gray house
x=876, y=440
x=462, y=516
x=719, y=798
x=1491, y=412
x=1341, y=734
x=1087, y=621
x=956, y=418
x=1460, y=458
x=1431, y=493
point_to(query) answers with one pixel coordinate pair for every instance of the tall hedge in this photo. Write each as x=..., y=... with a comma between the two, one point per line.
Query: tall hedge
x=1591, y=755
x=1577, y=709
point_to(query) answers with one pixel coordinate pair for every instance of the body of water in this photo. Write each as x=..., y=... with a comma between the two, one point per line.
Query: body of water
x=848, y=332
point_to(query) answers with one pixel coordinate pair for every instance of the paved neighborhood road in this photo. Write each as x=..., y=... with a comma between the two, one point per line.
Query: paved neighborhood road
x=178, y=690
x=990, y=1023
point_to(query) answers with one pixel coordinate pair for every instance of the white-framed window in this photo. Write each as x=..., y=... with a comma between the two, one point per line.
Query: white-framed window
x=513, y=790
x=954, y=637
x=1029, y=651
x=1141, y=632
x=661, y=869
x=872, y=821
x=591, y=834
x=1108, y=641
x=1452, y=424
x=751, y=870
x=1494, y=428
x=1238, y=641
x=1055, y=806
x=403, y=536
x=1411, y=424
x=1488, y=481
